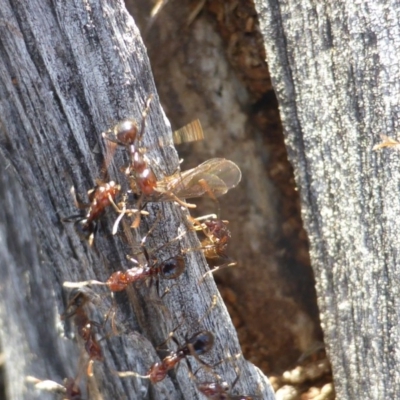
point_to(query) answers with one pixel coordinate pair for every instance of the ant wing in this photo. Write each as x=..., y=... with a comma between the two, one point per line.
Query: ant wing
x=189, y=133
x=215, y=176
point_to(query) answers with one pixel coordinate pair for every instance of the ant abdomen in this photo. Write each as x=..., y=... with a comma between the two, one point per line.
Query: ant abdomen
x=200, y=343
x=173, y=268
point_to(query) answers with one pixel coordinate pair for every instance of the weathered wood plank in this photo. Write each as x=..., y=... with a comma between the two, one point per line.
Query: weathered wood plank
x=335, y=71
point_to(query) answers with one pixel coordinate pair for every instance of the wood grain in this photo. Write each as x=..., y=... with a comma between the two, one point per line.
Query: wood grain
x=334, y=67
x=68, y=72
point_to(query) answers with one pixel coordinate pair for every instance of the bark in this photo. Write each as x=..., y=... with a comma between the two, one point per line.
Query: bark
x=69, y=72
x=334, y=67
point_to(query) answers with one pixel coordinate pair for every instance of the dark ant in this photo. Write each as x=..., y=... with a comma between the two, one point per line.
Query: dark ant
x=169, y=269
x=195, y=346
x=85, y=327
x=100, y=197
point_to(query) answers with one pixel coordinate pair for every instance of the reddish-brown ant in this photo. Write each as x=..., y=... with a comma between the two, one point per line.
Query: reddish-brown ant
x=169, y=269
x=85, y=327
x=100, y=197
x=216, y=239
x=153, y=269
x=217, y=235
x=120, y=280
x=195, y=346
x=126, y=133
x=214, y=177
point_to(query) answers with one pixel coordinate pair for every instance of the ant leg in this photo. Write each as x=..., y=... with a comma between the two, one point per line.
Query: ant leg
x=78, y=203
x=46, y=385
x=89, y=370
x=171, y=337
x=195, y=221
x=217, y=268
x=203, y=363
x=77, y=285
x=181, y=202
x=144, y=116
x=167, y=290
x=136, y=221
x=122, y=211
x=180, y=236
x=91, y=237
x=118, y=220
x=124, y=374
x=157, y=220
x=213, y=304
x=208, y=190
x=112, y=139
x=112, y=312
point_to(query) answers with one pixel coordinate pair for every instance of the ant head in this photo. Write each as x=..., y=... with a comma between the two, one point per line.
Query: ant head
x=173, y=268
x=201, y=343
x=77, y=299
x=126, y=131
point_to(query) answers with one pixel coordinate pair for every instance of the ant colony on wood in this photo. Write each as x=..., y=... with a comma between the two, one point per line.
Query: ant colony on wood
x=127, y=197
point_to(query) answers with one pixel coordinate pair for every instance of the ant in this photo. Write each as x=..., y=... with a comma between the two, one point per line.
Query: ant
x=85, y=327
x=217, y=235
x=216, y=238
x=100, y=197
x=215, y=176
x=195, y=346
x=218, y=390
x=126, y=133
x=169, y=269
